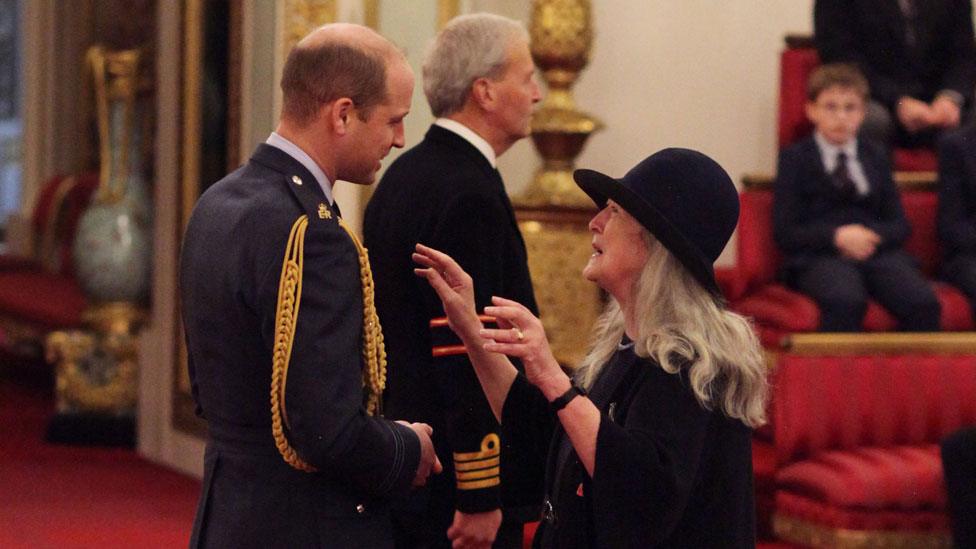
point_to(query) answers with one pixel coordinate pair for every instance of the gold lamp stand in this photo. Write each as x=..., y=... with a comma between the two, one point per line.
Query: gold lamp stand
x=553, y=212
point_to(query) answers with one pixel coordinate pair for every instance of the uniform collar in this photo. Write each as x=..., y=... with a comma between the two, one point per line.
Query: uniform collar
x=294, y=151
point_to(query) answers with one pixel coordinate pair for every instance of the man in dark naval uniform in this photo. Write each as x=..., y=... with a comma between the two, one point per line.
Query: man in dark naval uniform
x=285, y=356
x=479, y=79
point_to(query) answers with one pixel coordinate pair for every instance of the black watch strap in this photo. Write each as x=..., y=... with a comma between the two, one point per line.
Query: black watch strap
x=562, y=400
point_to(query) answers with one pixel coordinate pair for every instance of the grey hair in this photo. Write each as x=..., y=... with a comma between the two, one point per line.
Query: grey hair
x=687, y=331
x=470, y=47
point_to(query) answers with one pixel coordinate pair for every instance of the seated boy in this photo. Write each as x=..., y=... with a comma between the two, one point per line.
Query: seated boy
x=837, y=216
x=957, y=210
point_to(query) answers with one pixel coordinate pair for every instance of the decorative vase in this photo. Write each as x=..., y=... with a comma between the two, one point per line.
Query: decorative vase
x=112, y=250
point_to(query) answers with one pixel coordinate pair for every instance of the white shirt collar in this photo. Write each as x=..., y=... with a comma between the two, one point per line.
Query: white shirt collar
x=294, y=151
x=849, y=148
x=828, y=157
x=470, y=136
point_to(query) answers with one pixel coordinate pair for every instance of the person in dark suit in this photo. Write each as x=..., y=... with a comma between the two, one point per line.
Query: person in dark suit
x=959, y=466
x=918, y=55
x=838, y=219
x=275, y=297
x=957, y=210
x=479, y=81
x=650, y=442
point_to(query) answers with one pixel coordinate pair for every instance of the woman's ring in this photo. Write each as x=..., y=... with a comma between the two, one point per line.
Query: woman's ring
x=518, y=334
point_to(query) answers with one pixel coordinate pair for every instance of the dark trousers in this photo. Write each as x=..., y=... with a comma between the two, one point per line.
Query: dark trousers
x=960, y=271
x=959, y=464
x=841, y=287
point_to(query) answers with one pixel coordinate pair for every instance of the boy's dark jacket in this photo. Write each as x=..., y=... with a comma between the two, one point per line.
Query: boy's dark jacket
x=808, y=208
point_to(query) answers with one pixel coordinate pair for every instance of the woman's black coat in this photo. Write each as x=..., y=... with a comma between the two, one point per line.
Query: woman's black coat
x=668, y=472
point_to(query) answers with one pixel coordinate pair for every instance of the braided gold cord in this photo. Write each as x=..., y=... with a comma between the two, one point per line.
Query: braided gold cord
x=286, y=316
x=374, y=351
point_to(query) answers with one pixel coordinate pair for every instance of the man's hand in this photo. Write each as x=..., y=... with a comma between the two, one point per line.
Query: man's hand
x=945, y=112
x=914, y=114
x=428, y=458
x=474, y=530
x=856, y=241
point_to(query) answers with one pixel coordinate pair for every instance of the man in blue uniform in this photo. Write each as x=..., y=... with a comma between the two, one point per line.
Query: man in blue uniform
x=285, y=355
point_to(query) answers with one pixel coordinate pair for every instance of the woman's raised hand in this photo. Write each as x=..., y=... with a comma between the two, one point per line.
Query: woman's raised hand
x=454, y=287
x=520, y=334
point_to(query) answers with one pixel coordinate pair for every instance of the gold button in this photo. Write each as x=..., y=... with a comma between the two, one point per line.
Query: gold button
x=360, y=508
x=296, y=180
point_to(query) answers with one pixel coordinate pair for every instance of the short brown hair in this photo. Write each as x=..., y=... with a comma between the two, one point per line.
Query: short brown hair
x=836, y=74
x=316, y=75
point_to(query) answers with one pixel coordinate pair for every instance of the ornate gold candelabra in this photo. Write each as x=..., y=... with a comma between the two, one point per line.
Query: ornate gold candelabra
x=553, y=212
x=561, y=39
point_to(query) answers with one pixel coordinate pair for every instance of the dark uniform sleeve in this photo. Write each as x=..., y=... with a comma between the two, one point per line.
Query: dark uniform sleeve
x=645, y=469
x=328, y=424
x=467, y=231
x=956, y=230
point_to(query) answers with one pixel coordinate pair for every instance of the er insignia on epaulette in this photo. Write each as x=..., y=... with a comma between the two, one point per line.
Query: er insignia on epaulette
x=324, y=212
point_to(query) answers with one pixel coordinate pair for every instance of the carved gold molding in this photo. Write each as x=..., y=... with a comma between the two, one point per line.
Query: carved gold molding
x=371, y=14
x=192, y=77
x=815, y=535
x=906, y=181
x=97, y=368
x=558, y=246
x=880, y=343
x=447, y=10
x=302, y=17
x=562, y=34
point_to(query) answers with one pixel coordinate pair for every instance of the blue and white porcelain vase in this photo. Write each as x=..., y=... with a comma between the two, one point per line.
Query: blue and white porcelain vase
x=113, y=247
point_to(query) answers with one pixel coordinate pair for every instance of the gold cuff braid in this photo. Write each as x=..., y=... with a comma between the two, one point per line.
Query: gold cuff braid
x=286, y=318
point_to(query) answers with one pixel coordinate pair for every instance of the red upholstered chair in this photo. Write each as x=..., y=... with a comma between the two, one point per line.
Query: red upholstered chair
x=777, y=310
x=797, y=61
x=856, y=447
x=38, y=293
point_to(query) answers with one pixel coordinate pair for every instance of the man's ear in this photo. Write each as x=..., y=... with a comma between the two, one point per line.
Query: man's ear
x=340, y=113
x=483, y=93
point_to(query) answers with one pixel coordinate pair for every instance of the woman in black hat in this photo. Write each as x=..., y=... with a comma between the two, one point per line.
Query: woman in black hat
x=651, y=438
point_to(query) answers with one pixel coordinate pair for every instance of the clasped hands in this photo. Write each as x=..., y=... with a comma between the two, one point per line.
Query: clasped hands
x=855, y=241
x=915, y=114
x=429, y=463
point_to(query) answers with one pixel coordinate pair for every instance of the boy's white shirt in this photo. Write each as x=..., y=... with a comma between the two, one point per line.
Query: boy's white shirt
x=828, y=155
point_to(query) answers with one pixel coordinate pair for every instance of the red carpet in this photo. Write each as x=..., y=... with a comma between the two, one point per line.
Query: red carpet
x=68, y=497
x=65, y=497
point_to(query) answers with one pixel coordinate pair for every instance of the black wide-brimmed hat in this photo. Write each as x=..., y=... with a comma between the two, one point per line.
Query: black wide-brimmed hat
x=684, y=198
